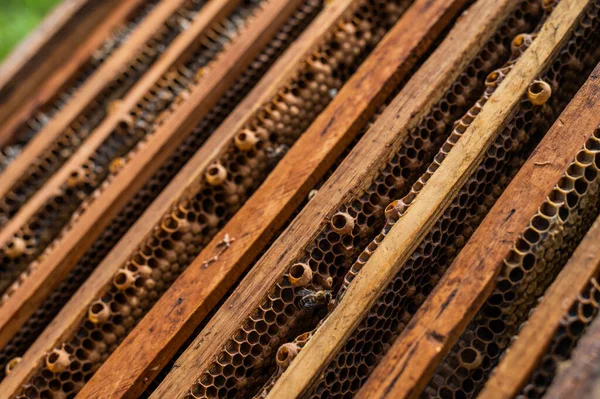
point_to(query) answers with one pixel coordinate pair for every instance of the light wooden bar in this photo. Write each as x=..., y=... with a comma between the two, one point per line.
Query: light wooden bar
x=428, y=206
x=524, y=354
x=130, y=179
x=199, y=288
x=417, y=352
x=52, y=56
x=185, y=43
x=87, y=93
x=351, y=178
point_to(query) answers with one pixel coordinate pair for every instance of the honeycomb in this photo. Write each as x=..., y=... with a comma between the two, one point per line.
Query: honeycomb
x=43, y=115
x=197, y=216
x=245, y=362
x=85, y=184
x=541, y=250
x=572, y=327
x=134, y=209
x=67, y=143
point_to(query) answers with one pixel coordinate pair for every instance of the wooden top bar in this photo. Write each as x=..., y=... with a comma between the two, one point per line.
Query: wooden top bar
x=65, y=49
x=448, y=309
x=433, y=199
x=276, y=199
x=525, y=353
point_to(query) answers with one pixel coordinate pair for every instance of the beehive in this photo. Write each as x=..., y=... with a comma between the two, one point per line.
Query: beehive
x=302, y=198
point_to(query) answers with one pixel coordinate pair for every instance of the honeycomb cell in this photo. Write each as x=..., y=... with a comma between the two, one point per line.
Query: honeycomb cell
x=331, y=255
x=543, y=248
x=86, y=183
x=43, y=115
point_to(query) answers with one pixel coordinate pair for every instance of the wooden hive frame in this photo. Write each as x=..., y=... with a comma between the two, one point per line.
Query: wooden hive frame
x=41, y=60
x=580, y=378
x=351, y=209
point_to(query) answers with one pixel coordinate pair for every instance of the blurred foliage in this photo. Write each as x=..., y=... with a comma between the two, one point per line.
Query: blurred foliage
x=18, y=18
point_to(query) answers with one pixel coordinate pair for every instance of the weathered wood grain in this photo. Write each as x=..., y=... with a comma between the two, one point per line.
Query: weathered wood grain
x=141, y=167
x=414, y=357
x=200, y=288
x=92, y=87
x=52, y=56
x=352, y=177
x=428, y=206
x=525, y=353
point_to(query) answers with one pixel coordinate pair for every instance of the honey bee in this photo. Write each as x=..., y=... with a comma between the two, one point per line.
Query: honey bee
x=310, y=300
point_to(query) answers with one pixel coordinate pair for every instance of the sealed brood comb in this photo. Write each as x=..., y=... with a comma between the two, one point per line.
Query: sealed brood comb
x=44, y=314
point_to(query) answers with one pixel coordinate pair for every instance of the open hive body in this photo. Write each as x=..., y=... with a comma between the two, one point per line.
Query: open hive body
x=302, y=198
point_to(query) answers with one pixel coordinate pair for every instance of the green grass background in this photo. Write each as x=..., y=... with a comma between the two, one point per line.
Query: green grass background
x=18, y=18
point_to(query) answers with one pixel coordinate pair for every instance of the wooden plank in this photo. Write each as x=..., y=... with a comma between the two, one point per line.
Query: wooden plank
x=87, y=93
x=265, y=23
x=448, y=310
x=278, y=197
x=349, y=181
x=433, y=199
x=53, y=56
x=581, y=378
x=525, y=353
x=185, y=43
